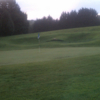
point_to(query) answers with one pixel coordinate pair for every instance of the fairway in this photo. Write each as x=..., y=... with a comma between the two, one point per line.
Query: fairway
x=34, y=55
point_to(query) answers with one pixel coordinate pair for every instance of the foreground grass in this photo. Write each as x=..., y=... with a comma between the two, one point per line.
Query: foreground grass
x=64, y=79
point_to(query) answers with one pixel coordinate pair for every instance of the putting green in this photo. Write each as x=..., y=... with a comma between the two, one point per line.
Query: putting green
x=33, y=55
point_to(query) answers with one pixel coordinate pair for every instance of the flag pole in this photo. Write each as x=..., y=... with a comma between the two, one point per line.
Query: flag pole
x=39, y=45
x=39, y=41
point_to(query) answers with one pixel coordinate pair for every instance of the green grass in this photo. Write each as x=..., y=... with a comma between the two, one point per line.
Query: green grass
x=45, y=54
x=76, y=37
x=67, y=67
x=63, y=79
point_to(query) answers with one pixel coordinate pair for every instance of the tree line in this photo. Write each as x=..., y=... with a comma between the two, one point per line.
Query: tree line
x=12, y=20
x=83, y=18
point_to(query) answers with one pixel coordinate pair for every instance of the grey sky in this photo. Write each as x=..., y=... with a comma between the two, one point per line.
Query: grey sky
x=40, y=8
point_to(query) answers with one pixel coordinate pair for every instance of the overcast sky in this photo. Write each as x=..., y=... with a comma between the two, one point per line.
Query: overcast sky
x=39, y=8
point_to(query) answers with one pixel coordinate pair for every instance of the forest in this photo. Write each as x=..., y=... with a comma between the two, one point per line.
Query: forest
x=83, y=18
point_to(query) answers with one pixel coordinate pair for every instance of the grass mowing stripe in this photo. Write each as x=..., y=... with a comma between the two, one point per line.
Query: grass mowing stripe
x=33, y=55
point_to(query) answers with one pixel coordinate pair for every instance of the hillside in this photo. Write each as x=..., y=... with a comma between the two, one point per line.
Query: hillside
x=76, y=37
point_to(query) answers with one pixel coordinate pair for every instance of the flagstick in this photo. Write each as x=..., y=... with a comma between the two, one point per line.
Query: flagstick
x=39, y=41
x=39, y=45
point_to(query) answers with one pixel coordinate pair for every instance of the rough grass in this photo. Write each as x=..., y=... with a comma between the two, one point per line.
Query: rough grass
x=77, y=37
x=64, y=79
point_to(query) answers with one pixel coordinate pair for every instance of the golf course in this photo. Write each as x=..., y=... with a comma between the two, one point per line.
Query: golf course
x=60, y=65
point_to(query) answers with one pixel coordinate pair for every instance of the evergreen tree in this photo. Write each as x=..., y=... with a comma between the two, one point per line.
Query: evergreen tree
x=63, y=20
x=7, y=24
x=13, y=20
x=87, y=17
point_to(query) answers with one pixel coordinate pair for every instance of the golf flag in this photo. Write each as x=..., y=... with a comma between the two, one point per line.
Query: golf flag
x=38, y=35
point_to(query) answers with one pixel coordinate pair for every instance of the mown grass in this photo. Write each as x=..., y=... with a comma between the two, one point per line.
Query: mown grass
x=64, y=79
x=45, y=54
